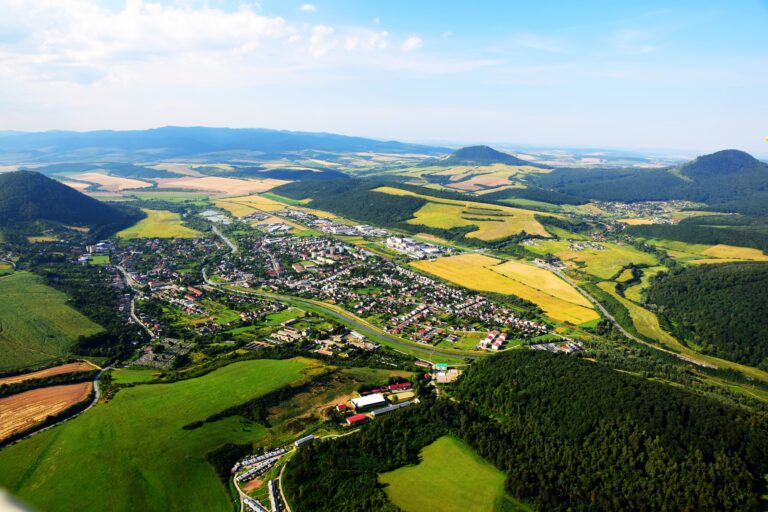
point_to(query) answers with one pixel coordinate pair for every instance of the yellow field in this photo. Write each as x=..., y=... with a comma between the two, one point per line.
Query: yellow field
x=601, y=263
x=76, y=185
x=702, y=253
x=625, y=276
x=111, y=183
x=633, y=292
x=555, y=297
x=636, y=222
x=159, y=224
x=493, y=222
x=242, y=206
x=222, y=185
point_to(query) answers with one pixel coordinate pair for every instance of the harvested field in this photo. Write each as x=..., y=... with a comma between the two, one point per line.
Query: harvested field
x=222, y=185
x=554, y=296
x=111, y=183
x=77, y=185
x=80, y=366
x=25, y=410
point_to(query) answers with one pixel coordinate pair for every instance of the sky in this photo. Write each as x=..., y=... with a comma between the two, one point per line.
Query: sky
x=688, y=76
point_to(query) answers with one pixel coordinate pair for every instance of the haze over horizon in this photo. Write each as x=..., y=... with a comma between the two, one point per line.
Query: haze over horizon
x=608, y=76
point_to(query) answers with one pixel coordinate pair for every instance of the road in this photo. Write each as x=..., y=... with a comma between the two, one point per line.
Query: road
x=94, y=401
x=226, y=240
x=132, y=283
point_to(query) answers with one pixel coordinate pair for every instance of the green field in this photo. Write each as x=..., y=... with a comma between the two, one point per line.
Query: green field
x=36, y=324
x=159, y=224
x=132, y=454
x=5, y=268
x=100, y=259
x=603, y=263
x=450, y=477
x=132, y=375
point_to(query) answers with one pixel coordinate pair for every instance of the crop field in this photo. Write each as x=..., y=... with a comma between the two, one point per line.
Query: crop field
x=603, y=263
x=36, y=323
x=159, y=224
x=450, y=477
x=79, y=366
x=77, y=185
x=228, y=186
x=559, y=300
x=476, y=178
x=126, y=454
x=23, y=411
x=702, y=253
x=242, y=206
x=111, y=183
x=173, y=197
x=493, y=222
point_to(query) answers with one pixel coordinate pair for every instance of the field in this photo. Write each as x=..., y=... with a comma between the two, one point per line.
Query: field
x=242, y=206
x=492, y=222
x=36, y=324
x=76, y=185
x=634, y=292
x=133, y=375
x=476, y=178
x=100, y=259
x=214, y=184
x=131, y=452
x=450, y=477
x=111, y=183
x=701, y=253
x=5, y=268
x=603, y=263
x=555, y=297
x=23, y=411
x=79, y=366
x=158, y=224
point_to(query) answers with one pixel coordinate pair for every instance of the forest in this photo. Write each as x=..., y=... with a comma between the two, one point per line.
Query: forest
x=722, y=309
x=570, y=435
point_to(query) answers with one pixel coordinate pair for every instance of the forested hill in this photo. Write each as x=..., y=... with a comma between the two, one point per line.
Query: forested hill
x=478, y=155
x=729, y=181
x=27, y=196
x=721, y=308
x=570, y=434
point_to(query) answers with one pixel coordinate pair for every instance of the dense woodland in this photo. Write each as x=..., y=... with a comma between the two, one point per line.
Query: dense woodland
x=570, y=435
x=720, y=308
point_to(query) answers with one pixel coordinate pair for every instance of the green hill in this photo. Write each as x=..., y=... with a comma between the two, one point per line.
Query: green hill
x=27, y=196
x=478, y=155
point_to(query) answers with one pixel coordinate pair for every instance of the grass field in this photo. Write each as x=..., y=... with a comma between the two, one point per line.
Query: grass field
x=131, y=452
x=79, y=366
x=100, y=259
x=21, y=412
x=451, y=477
x=133, y=375
x=555, y=297
x=5, y=268
x=601, y=263
x=701, y=253
x=492, y=221
x=159, y=224
x=36, y=324
x=634, y=292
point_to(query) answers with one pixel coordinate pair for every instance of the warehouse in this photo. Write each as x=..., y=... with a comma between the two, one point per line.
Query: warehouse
x=356, y=419
x=384, y=410
x=369, y=402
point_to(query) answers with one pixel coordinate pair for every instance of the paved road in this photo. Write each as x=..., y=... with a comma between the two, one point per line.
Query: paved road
x=226, y=240
x=132, y=283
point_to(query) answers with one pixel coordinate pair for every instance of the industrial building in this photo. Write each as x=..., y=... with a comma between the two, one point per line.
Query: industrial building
x=364, y=403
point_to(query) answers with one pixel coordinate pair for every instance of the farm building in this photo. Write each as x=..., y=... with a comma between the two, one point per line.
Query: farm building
x=369, y=402
x=356, y=419
x=304, y=440
x=384, y=410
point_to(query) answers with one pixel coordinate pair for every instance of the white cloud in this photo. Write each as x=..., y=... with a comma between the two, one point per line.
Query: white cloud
x=412, y=43
x=308, y=8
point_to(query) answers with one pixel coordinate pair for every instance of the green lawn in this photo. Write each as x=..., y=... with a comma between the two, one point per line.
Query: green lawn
x=100, y=259
x=450, y=477
x=132, y=375
x=132, y=454
x=36, y=324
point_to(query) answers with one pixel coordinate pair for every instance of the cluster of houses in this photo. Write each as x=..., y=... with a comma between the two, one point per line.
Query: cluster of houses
x=565, y=346
x=413, y=248
x=657, y=212
x=583, y=245
x=329, y=226
x=493, y=341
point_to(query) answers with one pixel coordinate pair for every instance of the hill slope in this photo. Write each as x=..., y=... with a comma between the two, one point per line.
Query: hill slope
x=478, y=155
x=175, y=142
x=27, y=196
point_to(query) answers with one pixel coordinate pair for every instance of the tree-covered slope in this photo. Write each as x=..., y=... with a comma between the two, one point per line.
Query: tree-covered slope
x=478, y=155
x=570, y=434
x=27, y=196
x=721, y=308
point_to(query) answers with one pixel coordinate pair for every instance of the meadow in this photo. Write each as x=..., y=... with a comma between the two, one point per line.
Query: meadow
x=131, y=453
x=702, y=253
x=635, y=292
x=450, y=477
x=603, y=263
x=158, y=224
x=36, y=323
x=559, y=300
x=492, y=222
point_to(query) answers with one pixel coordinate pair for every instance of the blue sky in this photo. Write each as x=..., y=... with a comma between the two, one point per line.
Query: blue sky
x=688, y=76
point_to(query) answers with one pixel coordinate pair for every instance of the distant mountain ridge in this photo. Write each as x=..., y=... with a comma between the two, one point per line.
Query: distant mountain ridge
x=27, y=196
x=184, y=142
x=478, y=155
